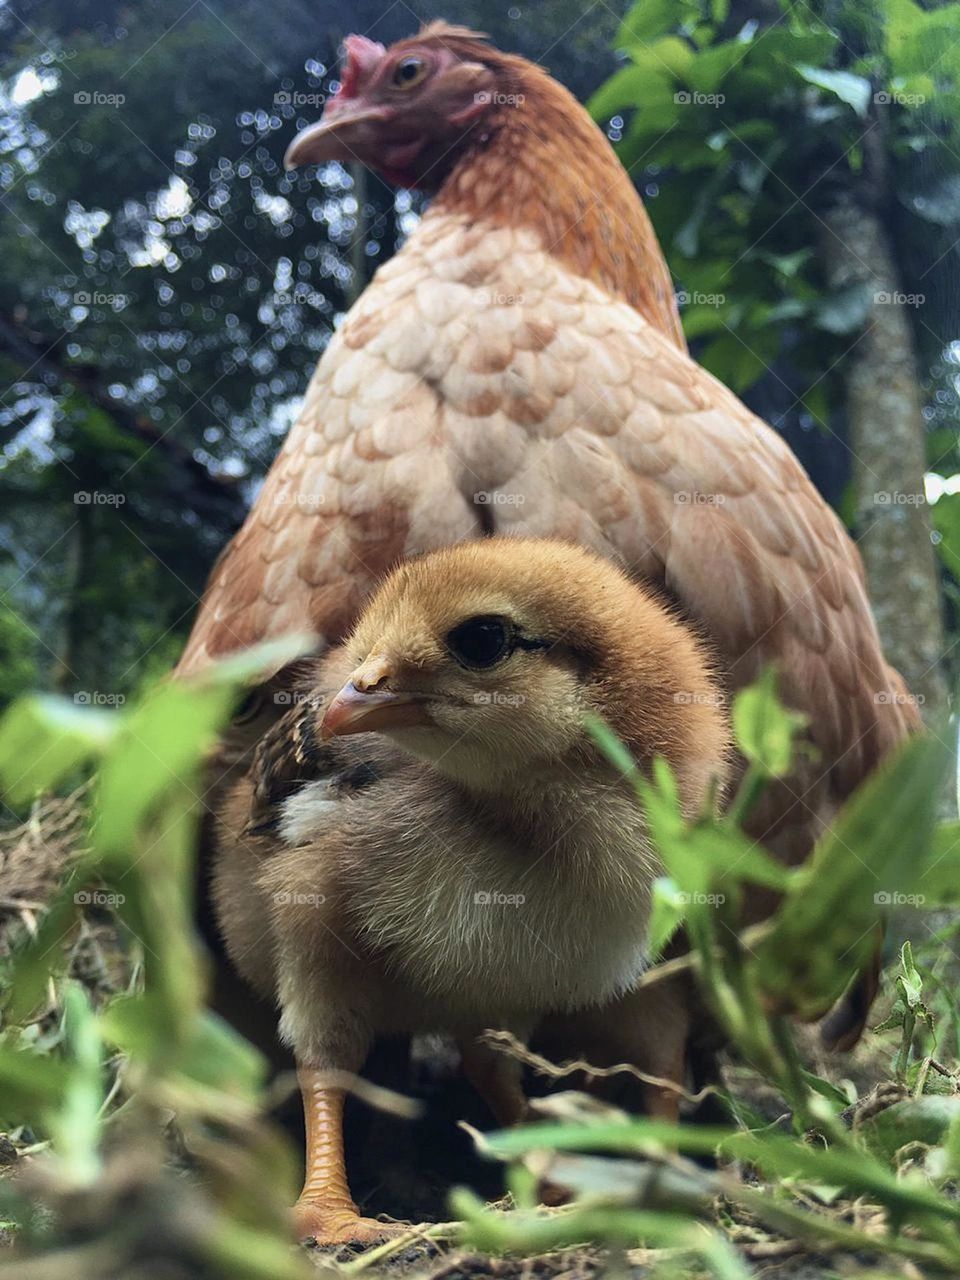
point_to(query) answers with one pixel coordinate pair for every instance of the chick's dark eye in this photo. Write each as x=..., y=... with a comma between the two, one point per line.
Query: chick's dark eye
x=409, y=71
x=248, y=709
x=479, y=642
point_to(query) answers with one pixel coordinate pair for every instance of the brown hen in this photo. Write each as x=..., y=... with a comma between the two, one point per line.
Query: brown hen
x=518, y=368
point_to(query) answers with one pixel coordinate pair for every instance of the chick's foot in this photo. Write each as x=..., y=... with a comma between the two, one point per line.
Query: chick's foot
x=327, y=1225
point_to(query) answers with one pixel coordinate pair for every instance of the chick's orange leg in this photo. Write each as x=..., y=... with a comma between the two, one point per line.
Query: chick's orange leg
x=325, y=1209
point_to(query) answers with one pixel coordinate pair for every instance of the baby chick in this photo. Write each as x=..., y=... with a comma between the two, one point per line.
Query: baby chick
x=430, y=839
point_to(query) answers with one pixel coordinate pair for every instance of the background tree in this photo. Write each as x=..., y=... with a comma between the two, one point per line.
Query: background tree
x=165, y=289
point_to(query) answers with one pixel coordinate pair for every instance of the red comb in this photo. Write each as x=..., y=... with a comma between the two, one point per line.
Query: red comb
x=360, y=55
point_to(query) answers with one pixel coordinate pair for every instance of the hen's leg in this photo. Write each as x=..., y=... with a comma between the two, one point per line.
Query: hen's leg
x=497, y=1078
x=647, y=1028
x=650, y=1029
x=325, y=1209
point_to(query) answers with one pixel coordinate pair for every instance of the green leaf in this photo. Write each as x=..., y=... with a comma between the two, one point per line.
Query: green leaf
x=654, y=116
x=836, y=1097
x=735, y=361
x=854, y=90
x=214, y=1054
x=788, y=264
x=649, y=19
x=764, y=729
x=667, y=910
x=909, y=981
x=945, y=514
x=43, y=740
x=700, y=856
x=708, y=70
x=688, y=235
x=827, y=923
x=926, y=1120
x=670, y=54
x=75, y=1123
x=939, y=883
x=622, y=91
x=30, y=1083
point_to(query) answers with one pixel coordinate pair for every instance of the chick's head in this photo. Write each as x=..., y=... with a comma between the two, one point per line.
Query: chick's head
x=486, y=659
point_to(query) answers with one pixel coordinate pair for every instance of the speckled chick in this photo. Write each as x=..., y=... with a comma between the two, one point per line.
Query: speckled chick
x=431, y=840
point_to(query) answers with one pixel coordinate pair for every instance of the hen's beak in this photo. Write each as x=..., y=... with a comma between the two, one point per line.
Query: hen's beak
x=362, y=706
x=345, y=132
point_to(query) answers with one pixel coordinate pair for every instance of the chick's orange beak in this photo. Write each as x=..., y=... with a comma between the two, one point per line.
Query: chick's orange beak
x=364, y=706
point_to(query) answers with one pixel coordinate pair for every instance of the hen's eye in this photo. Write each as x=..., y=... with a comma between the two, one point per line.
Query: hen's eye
x=479, y=642
x=410, y=71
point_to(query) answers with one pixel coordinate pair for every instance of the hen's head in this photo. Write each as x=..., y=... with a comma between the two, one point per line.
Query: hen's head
x=408, y=110
x=486, y=658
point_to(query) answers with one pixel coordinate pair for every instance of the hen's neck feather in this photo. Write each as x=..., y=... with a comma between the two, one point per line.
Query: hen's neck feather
x=540, y=162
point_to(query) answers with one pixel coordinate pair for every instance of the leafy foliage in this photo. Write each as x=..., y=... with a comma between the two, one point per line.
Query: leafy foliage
x=176, y=1054
x=634, y=1180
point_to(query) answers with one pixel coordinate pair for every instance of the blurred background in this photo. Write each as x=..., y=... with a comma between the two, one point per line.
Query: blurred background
x=165, y=289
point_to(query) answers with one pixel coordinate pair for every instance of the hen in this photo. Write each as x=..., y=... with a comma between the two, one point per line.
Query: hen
x=518, y=368
x=471, y=860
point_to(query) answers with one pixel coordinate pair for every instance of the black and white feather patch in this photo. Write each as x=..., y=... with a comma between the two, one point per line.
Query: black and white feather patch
x=294, y=772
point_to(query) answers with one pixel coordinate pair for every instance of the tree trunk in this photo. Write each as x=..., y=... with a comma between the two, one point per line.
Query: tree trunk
x=886, y=438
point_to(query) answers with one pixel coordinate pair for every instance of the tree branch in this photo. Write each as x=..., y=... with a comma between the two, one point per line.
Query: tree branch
x=196, y=486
